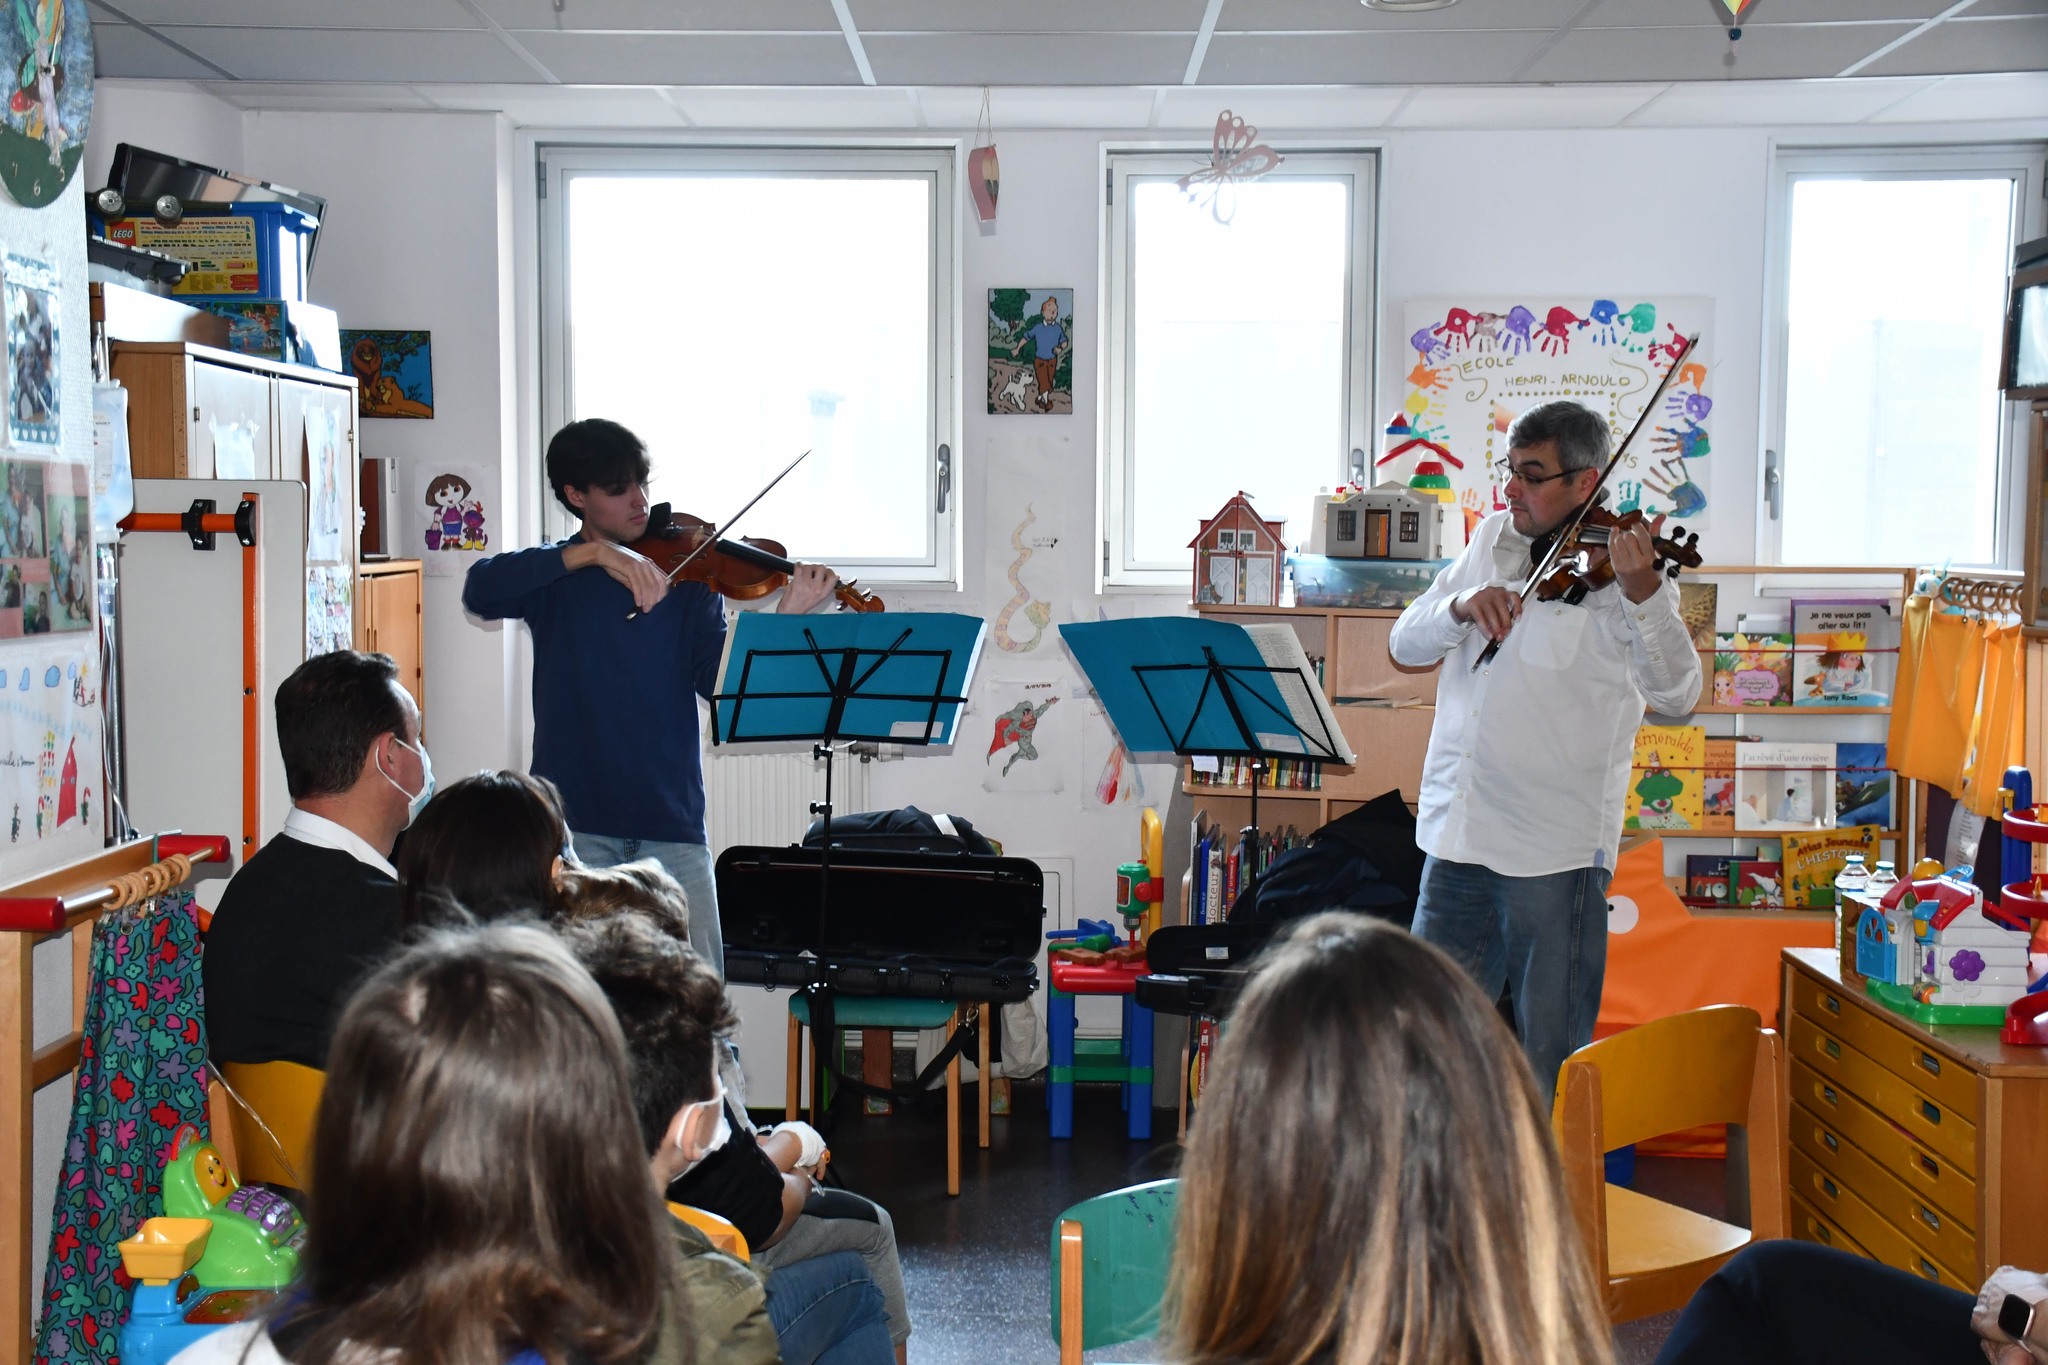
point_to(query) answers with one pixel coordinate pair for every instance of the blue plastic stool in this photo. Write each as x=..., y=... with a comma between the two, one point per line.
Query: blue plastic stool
x=1126, y=1060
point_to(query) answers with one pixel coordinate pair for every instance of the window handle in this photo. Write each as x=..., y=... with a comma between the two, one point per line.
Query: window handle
x=1357, y=468
x=945, y=474
x=1774, y=484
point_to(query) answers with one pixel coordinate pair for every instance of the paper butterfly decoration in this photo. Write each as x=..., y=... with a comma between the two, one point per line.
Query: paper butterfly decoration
x=1235, y=155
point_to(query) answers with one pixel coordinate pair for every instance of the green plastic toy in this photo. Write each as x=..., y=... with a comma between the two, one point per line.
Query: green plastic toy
x=256, y=1235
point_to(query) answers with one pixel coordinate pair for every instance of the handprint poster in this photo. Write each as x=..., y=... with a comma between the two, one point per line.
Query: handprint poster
x=1477, y=364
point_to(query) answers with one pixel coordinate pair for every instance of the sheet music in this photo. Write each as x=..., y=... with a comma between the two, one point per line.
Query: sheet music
x=1300, y=689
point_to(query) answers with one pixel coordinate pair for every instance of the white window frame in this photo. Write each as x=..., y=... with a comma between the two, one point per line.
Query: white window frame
x=557, y=163
x=1121, y=165
x=2021, y=161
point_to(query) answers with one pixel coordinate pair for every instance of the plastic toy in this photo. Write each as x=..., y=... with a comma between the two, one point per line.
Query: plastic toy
x=1970, y=955
x=1140, y=888
x=2026, y=1021
x=256, y=1235
x=171, y=1310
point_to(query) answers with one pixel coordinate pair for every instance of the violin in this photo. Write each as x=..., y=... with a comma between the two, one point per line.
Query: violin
x=689, y=549
x=1581, y=565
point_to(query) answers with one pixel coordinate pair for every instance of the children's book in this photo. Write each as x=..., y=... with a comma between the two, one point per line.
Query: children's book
x=1753, y=669
x=1758, y=884
x=1863, y=786
x=1666, y=781
x=1697, y=603
x=1845, y=652
x=1717, y=789
x=1706, y=877
x=1812, y=860
x=1780, y=786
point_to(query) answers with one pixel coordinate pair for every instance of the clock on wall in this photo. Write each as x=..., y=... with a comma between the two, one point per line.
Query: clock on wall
x=46, y=75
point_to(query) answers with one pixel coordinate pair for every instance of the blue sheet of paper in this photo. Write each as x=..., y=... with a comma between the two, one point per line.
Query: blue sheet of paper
x=772, y=686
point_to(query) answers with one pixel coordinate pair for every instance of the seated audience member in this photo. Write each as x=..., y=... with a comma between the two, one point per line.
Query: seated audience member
x=1370, y=1177
x=491, y=844
x=478, y=1191
x=317, y=906
x=674, y=1013
x=1797, y=1302
x=760, y=1181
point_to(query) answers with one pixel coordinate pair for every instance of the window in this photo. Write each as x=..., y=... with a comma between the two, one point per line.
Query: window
x=1888, y=442
x=1347, y=526
x=1238, y=356
x=1411, y=528
x=737, y=306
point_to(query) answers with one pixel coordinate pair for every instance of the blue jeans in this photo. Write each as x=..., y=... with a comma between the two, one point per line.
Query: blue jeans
x=689, y=864
x=1544, y=936
x=827, y=1311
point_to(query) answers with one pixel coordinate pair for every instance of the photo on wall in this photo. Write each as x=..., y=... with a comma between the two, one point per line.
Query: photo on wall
x=394, y=372
x=1030, y=351
x=67, y=520
x=32, y=340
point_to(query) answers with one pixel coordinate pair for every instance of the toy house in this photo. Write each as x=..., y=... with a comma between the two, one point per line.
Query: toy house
x=1969, y=955
x=1238, y=557
x=1388, y=521
x=1887, y=942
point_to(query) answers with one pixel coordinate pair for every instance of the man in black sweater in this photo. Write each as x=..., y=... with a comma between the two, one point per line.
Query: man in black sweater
x=317, y=906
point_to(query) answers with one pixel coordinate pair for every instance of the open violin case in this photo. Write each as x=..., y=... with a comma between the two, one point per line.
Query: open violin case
x=936, y=925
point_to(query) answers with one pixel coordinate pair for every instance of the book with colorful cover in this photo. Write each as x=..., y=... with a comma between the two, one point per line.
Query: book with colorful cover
x=1784, y=786
x=1706, y=877
x=1863, y=785
x=1753, y=669
x=1717, y=786
x=1666, y=779
x=1811, y=861
x=1756, y=883
x=1697, y=603
x=1845, y=652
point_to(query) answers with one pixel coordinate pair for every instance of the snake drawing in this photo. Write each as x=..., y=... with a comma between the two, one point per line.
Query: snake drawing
x=1038, y=613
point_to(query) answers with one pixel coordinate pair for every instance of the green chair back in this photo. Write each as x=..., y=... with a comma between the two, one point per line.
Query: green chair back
x=1127, y=1244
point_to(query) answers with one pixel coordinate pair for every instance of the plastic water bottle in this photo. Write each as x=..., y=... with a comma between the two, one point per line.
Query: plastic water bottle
x=1883, y=879
x=1851, y=880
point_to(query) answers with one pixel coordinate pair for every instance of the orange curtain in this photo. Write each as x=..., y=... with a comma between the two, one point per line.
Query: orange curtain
x=2001, y=719
x=1934, y=701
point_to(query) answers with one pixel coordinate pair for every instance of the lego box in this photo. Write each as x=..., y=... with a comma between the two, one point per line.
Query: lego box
x=281, y=329
x=254, y=251
x=1323, y=581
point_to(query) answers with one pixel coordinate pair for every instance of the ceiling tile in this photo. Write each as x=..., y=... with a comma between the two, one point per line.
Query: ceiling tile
x=1969, y=44
x=831, y=107
x=1303, y=108
x=1034, y=16
x=121, y=50
x=1959, y=98
x=664, y=16
x=1518, y=106
x=411, y=14
x=1763, y=103
x=1324, y=16
x=375, y=55
x=1706, y=54
x=1988, y=9
x=1408, y=58
x=1039, y=106
x=1713, y=14
x=292, y=97
x=1027, y=58
x=695, y=59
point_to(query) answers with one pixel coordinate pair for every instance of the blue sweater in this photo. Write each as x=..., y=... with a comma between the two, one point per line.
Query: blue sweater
x=614, y=701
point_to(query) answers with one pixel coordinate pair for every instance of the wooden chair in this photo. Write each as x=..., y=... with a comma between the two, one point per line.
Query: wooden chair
x=720, y=1232
x=1109, y=1261
x=286, y=1098
x=889, y=1013
x=1713, y=1065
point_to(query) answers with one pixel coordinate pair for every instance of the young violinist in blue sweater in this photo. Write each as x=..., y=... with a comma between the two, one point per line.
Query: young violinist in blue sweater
x=614, y=693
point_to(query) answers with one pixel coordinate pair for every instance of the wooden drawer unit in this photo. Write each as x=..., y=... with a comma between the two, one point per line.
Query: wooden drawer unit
x=1831, y=1116
x=1916, y=1146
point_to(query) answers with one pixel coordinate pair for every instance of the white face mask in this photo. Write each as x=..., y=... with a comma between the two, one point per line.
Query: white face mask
x=415, y=802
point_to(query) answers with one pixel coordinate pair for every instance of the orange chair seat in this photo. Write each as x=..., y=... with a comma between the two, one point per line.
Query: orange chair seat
x=1648, y=1236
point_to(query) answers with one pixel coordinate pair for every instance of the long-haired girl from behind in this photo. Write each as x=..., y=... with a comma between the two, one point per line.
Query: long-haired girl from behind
x=1369, y=1179
x=478, y=1189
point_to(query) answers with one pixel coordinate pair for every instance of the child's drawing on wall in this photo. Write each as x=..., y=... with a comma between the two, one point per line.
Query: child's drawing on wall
x=455, y=519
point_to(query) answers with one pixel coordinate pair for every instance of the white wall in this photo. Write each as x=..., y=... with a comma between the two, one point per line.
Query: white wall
x=164, y=116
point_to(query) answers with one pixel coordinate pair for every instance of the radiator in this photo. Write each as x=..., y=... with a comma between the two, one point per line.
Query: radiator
x=765, y=799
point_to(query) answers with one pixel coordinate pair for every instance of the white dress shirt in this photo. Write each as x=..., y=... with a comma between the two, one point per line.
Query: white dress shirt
x=322, y=832
x=1529, y=757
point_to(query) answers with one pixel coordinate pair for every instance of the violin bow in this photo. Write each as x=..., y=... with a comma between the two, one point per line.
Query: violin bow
x=730, y=521
x=1571, y=525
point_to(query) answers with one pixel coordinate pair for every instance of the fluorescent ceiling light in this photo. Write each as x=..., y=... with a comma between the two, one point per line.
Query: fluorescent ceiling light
x=1407, y=6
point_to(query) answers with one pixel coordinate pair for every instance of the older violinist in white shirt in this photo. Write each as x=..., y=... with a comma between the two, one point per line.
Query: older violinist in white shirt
x=1521, y=802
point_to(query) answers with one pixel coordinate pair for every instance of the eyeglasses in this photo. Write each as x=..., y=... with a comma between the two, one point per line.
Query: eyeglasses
x=1508, y=472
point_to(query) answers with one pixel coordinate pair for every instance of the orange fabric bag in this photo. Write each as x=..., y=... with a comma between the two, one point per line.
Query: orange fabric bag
x=1934, y=702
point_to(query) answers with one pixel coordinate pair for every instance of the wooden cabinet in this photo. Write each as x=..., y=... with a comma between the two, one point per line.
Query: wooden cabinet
x=1919, y=1147
x=388, y=620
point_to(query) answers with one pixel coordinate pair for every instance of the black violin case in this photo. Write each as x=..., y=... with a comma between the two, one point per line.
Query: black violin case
x=1199, y=968
x=935, y=925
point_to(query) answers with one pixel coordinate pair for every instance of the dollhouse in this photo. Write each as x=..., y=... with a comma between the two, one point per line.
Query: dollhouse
x=1387, y=521
x=1238, y=556
x=1964, y=952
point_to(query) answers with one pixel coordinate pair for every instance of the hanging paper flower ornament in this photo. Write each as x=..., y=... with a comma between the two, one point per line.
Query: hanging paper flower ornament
x=1735, y=12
